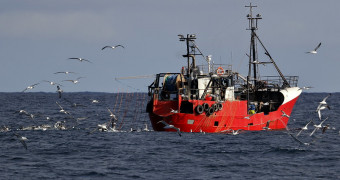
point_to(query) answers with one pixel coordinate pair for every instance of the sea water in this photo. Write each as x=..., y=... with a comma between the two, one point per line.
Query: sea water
x=81, y=151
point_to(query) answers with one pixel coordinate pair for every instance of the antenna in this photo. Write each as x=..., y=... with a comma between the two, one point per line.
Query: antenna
x=252, y=20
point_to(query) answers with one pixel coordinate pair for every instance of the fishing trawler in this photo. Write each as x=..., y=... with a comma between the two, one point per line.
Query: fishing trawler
x=213, y=98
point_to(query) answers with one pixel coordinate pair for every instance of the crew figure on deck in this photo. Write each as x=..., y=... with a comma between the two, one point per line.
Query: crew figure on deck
x=251, y=108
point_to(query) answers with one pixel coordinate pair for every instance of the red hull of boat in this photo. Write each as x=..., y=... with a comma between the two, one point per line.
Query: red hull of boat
x=233, y=115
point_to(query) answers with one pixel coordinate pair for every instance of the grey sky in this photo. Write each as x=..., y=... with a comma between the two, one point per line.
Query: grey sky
x=38, y=37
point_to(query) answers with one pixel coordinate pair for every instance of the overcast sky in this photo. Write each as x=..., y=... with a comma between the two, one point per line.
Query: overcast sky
x=38, y=36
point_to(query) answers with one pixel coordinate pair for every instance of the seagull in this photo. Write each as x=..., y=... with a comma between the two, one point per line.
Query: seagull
x=314, y=51
x=60, y=125
x=317, y=127
x=102, y=127
x=324, y=100
x=180, y=36
x=81, y=59
x=322, y=105
x=4, y=129
x=81, y=118
x=52, y=83
x=22, y=139
x=74, y=81
x=59, y=91
x=112, y=47
x=297, y=140
x=267, y=126
x=170, y=126
x=173, y=111
x=324, y=128
x=113, y=116
x=305, y=127
x=248, y=117
x=31, y=116
x=258, y=62
x=322, y=108
x=30, y=87
x=94, y=101
x=306, y=88
x=73, y=104
x=284, y=114
x=64, y=72
x=62, y=109
x=235, y=132
x=146, y=128
x=201, y=131
x=22, y=112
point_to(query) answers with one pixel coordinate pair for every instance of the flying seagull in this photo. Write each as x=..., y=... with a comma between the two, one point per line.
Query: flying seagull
x=173, y=111
x=235, y=132
x=62, y=109
x=298, y=140
x=30, y=87
x=64, y=72
x=317, y=127
x=322, y=105
x=305, y=127
x=258, y=62
x=113, y=116
x=74, y=81
x=324, y=128
x=170, y=126
x=22, y=139
x=73, y=104
x=52, y=83
x=284, y=114
x=112, y=47
x=314, y=51
x=22, y=112
x=306, y=88
x=81, y=59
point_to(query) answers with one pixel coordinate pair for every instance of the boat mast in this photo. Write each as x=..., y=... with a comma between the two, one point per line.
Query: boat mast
x=253, y=53
x=253, y=50
x=190, y=38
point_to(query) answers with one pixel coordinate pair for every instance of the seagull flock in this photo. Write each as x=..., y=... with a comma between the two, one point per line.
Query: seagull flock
x=74, y=81
x=316, y=126
x=111, y=125
x=70, y=120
